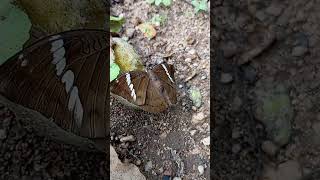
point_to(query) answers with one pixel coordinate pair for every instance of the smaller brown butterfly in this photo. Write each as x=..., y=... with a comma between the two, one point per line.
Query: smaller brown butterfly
x=153, y=90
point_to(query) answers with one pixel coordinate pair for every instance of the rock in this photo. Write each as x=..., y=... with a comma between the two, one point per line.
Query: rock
x=236, y=148
x=289, y=170
x=127, y=139
x=206, y=141
x=177, y=178
x=3, y=134
x=226, y=78
x=229, y=49
x=236, y=104
x=196, y=97
x=299, y=51
x=198, y=118
x=316, y=130
x=201, y=169
x=235, y=133
x=148, y=166
x=274, y=9
x=274, y=110
x=121, y=171
x=269, y=148
x=130, y=32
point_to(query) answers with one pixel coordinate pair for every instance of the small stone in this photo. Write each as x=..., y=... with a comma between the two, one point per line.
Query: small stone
x=203, y=77
x=236, y=148
x=229, y=49
x=201, y=169
x=269, y=148
x=190, y=40
x=3, y=134
x=128, y=138
x=198, y=118
x=206, y=141
x=177, y=178
x=163, y=135
x=148, y=166
x=299, y=51
x=290, y=170
x=274, y=9
x=235, y=133
x=130, y=32
x=180, y=86
x=226, y=78
x=188, y=60
x=193, y=132
x=138, y=162
x=236, y=104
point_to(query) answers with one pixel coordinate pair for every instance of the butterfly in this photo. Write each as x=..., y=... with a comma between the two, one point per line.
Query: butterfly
x=63, y=76
x=152, y=90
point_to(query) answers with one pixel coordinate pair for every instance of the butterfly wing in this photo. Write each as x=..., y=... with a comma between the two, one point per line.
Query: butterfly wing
x=139, y=89
x=63, y=76
x=165, y=73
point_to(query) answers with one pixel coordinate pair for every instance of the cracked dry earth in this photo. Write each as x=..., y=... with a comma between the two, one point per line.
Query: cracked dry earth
x=181, y=134
x=270, y=48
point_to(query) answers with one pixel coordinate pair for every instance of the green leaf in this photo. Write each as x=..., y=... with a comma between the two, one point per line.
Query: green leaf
x=116, y=23
x=200, y=5
x=114, y=71
x=14, y=29
x=158, y=20
x=166, y=2
x=157, y=2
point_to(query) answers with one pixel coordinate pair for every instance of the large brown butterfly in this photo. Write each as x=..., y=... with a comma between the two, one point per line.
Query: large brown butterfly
x=152, y=91
x=63, y=76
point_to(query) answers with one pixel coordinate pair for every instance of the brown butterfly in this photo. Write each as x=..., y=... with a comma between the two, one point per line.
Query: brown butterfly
x=64, y=77
x=153, y=90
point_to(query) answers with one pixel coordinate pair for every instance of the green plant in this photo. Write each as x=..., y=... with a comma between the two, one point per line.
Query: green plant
x=200, y=5
x=158, y=2
x=116, y=23
x=158, y=20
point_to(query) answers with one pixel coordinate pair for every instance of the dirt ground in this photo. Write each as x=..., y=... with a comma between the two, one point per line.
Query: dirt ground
x=171, y=136
x=271, y=51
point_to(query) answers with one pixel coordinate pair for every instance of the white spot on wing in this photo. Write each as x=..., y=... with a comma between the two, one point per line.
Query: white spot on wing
x=167, y=72
x=75, y=106
x=68, y=78
x=130, y=85
x=60, y=66
x=20, y=56
x=56, y=45
x=54, y=37
x=24, y=63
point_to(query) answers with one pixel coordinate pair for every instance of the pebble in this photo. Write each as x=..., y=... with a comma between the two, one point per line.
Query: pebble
x=269, y=148
x=226, y=78
x=193, y=132
x=198, y=118
x=290, y=170
x=229, y=49
x=206, y=141
x=236, y=148
x=3, y=134
x=127, y=138
x=148, y=166
x=138, y=162
x=274, y=9
x=299, y=51
x=201, y=169
x=203, y=77
x=235, y=133
x=177, y=178
x=130, y=32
